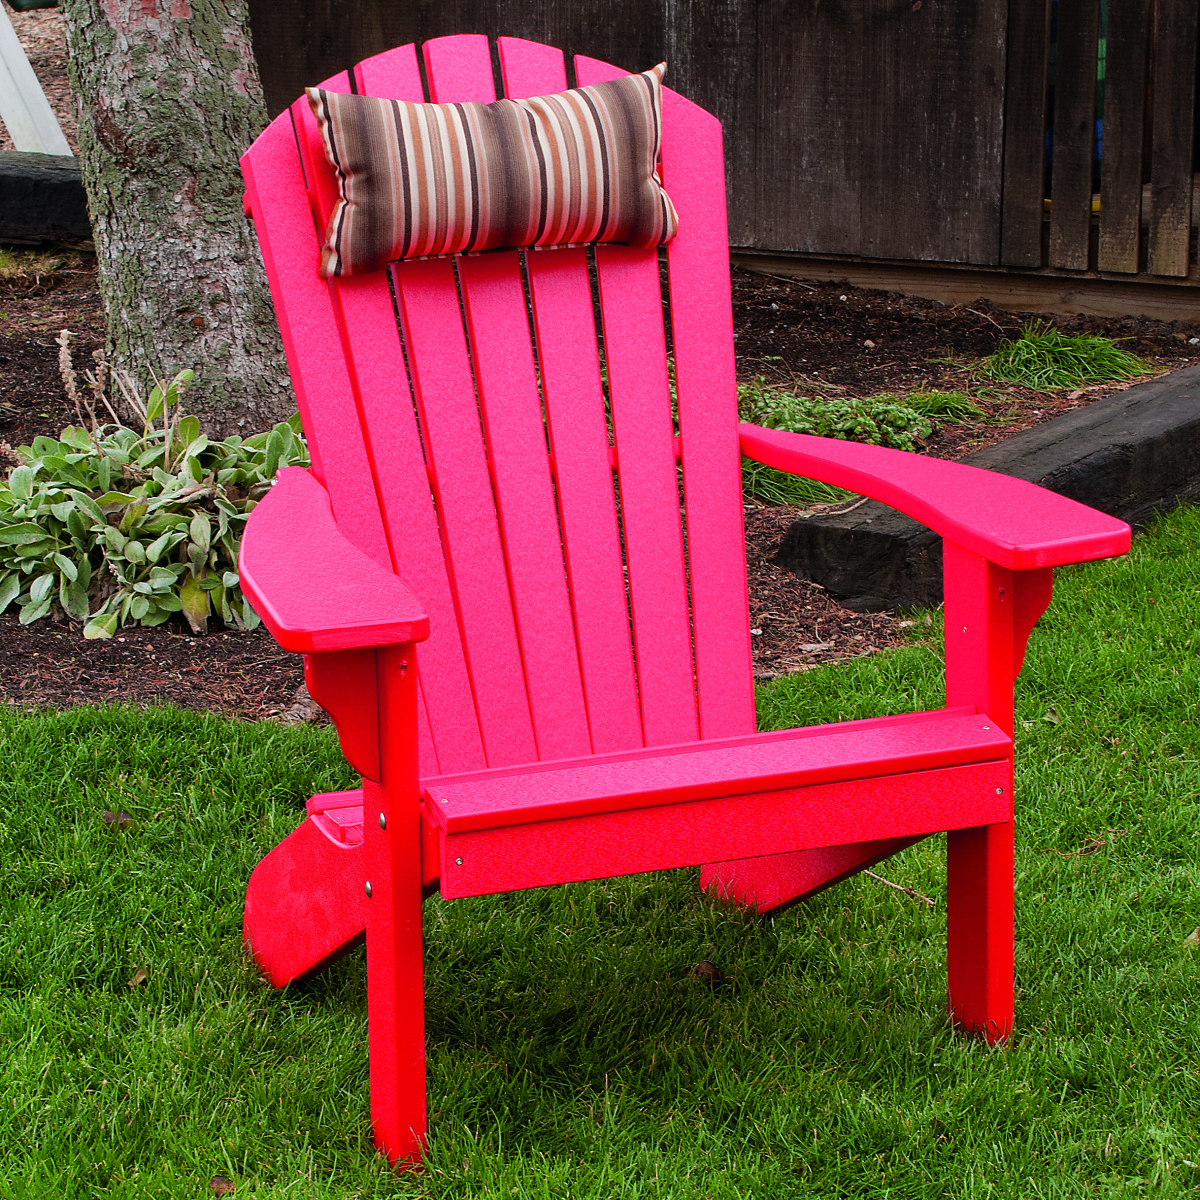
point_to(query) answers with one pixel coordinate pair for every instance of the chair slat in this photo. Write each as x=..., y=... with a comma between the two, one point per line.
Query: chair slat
x=459, y=68
x=570, y=366
x=394, y=74
x=494, y=301
x=595, y=70
x=445, y=393
x=378, y=370
x=661, y=629
x=566, y=338
x=636, y=356
x=745, y=765
x=371, y=344
x=702, y=339
x=277, y=196
x=530, y=69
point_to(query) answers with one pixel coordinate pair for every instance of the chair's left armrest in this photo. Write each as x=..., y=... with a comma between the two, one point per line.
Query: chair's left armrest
x=313, y=589
x=1008, y=521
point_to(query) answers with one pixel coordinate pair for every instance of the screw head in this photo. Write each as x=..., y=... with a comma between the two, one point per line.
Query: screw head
x=999, y=791
x=383, y=820
x=367, y=888
x=458, y=862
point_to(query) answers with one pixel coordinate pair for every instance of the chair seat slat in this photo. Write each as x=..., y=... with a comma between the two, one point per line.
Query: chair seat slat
x=792, y=758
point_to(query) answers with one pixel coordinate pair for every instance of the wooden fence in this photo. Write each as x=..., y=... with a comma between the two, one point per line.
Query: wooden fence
x=898, y=130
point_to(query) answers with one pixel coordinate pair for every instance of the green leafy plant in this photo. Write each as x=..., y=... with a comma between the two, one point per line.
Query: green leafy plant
x=880, y=420
x=115, y=526
x=885, y=420
x=1044, y=358
x=945, y=406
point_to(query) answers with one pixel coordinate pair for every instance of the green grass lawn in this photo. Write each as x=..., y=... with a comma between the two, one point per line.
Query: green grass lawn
x=573, y=1052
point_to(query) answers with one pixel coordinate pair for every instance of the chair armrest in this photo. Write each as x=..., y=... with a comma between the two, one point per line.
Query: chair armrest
x=312, y=588
x=1008, y=521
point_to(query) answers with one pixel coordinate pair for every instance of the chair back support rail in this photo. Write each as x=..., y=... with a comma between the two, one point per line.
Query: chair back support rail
x=517, y=573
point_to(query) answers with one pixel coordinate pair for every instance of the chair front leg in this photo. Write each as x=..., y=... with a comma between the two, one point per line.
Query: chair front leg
x=988, y=616
x=395, y=970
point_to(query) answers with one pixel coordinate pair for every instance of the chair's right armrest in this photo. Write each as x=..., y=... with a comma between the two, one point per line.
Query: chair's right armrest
x=1016, y=524
x=313, y=589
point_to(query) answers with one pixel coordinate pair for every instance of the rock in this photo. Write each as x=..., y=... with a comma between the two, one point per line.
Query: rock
x=1130, y=454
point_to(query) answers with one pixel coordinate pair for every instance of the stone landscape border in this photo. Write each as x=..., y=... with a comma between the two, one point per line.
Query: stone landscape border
x=1131, y=454
x=41, y=199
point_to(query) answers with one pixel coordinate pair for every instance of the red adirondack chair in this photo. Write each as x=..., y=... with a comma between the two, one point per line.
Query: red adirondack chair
x=582, y=704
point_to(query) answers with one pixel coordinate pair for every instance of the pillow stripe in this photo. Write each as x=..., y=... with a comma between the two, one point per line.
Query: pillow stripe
x=424, y=180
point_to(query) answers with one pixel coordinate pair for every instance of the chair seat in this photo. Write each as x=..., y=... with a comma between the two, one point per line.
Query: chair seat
x=764, y=762
x=653, y=809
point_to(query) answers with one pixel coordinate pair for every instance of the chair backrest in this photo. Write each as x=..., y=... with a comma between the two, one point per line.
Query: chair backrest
x=499, y=430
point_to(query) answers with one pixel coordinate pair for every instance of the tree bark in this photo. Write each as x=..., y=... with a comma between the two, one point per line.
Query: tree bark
x=169, y=97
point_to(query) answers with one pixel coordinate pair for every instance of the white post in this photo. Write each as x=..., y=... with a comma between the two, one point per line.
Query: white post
x=24, y=109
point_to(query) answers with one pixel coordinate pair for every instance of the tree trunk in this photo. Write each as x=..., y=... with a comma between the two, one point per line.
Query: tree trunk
x=169, y=97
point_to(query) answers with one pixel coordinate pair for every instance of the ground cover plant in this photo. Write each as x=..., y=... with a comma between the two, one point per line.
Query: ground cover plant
x=628, y=1037
x=899, y=421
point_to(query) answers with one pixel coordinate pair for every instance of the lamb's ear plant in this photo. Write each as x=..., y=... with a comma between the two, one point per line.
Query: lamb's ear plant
x=116, y=526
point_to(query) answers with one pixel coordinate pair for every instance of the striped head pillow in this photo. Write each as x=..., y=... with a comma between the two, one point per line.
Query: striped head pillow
x=421, y=180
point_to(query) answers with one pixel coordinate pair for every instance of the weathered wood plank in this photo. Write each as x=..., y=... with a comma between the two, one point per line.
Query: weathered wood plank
x=1025, y=132
x=897, y=129
x=1160, y=299
x=297, y=45
x=1171, y=169
x=712, y=52
x=931, y=180
x=1074, y=133
x=1124, y=116
x=810, y=115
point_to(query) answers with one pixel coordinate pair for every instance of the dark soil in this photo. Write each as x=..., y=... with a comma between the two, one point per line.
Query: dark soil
x=831, y=339
x=823, y=339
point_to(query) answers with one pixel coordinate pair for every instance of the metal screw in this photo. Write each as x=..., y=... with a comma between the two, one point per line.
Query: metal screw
x=382, y=820
x=367, y=889
x=964, y=629
x=999, y=791
x=458, y=862
x=403, y=666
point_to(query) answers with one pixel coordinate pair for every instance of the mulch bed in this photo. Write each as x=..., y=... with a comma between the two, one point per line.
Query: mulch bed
x=812, y=337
